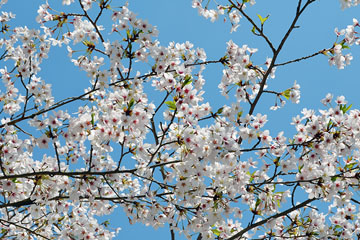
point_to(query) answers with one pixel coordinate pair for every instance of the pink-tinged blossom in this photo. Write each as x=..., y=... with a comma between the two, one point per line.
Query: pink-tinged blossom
x=43, y=141
x=176, y=161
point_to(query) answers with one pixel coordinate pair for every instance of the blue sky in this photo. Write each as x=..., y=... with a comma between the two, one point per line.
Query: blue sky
x=177, y=21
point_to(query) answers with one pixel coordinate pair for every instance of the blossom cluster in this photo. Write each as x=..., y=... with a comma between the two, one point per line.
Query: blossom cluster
x=233, y=15
x=350, y=37
x=349, y=3
x=169, y=160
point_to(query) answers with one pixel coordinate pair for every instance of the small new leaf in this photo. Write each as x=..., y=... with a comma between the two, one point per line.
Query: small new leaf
x=131, y=103
x=345, y=108
x=286, y=93
x=253, y=30
x=216, y=232
x=258, y=201
x=187, y=80
x=171, y=105
x=89, y=44
x=276, y=162
x=262, y=20
x=93, y=119
x=220, y=110
x=343, y=45
x=350, y=166
x=106, y=223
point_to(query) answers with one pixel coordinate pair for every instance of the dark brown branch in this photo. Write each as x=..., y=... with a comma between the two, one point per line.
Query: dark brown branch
x=78, y=174
x=302, y=58
x=92, y=22
x=83, y=96
x=259, y=223
x=25, y=228
x=254, y=25
x=299, y=11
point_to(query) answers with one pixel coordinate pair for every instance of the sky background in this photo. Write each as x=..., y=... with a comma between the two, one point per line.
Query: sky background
x=178, y=22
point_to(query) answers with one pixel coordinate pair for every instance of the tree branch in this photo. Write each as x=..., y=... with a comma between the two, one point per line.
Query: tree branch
x=259, y=223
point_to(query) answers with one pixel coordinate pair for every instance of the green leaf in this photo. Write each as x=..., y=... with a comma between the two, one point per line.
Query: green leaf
x=262, y=20
x=278, y=202
x=277, y=161
x=344, y=108
x=86, y=42
x=258, y=201
x=344, y=46
x=171, y=105
x=187, y=77
x=350, y=166
x=131, y=103
x=329, y=124
x=187, y=80
x=252, y=176
x=253, y=30
x=286, y=93
x=106, y=223
x=220, y=110
x=216, y=232
x=92, y=119
x=348, y=108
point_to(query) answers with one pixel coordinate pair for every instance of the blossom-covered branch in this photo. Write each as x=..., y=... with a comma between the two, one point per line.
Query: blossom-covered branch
x=144, y=138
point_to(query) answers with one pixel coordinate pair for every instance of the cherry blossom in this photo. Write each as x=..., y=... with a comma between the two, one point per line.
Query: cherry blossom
x=174, y=160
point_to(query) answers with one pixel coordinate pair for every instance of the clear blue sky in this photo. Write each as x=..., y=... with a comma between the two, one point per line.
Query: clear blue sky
x=178, y=22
